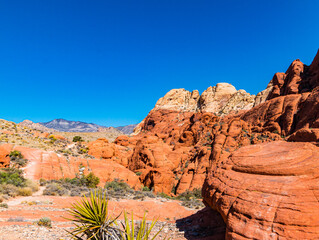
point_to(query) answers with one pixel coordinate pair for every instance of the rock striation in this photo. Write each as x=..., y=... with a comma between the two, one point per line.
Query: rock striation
x=267, y=191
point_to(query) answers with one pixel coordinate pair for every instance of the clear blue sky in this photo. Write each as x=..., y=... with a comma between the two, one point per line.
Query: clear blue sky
x=108, y=62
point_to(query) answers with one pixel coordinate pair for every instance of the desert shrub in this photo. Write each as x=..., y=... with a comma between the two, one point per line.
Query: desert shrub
x=15, y=154
x=138, y=173
x=77, y=139
x=42, y=182
x=196, y=193
x=92, y=219
x=146, y=189
x=3, y=205
x=17, y=159
x=12, y=176
x=191, y=199
x=71, y=186
x=83, y=150
x=44, y=221
x=193, y=203
x=26, y=191
x=55, y=189
x=117, y=185
x=164, y=195
x=33, y=185
x=91, y=180
x=9, y=190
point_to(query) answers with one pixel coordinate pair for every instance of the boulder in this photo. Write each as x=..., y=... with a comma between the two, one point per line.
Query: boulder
x=267, y=191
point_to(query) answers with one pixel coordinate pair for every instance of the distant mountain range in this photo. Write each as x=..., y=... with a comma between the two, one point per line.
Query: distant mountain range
x=62, y=125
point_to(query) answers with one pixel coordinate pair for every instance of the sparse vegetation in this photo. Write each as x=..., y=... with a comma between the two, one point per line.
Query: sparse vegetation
x=3, y=205
x=45, y=222
x=93, y=221
x=77, y=139
x=17, y=159
x=12, y=183
x=141, y=231
x=71, y=186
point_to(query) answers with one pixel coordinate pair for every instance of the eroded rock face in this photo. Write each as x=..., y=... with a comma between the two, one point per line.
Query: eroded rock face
x=220, y=99
x=5, y=150
x=267, y=191
x=299, y=78
x=103, y=149
x=49, y=165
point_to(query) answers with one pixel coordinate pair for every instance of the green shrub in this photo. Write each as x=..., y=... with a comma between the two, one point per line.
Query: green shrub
x=71, y=186
x=12, y=176
x=3, y=205
x=16, y=158
x=77, y=139
x=91, y=180
x=117, y=185
x=196, y=193
x=16, y=154
x=84, y=150
x=45, y=221
x=138, y=173
x=146, y=189
x=164, y=195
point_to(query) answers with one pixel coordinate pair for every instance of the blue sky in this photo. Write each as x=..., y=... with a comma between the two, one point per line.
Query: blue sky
x=108, y=62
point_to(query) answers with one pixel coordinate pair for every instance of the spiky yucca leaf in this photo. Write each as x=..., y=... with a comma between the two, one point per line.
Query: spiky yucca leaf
x=140, y=232
x=92, y=220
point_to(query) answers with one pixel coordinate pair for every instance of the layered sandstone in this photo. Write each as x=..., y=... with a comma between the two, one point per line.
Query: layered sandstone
x=50, y=165
x=267, y=191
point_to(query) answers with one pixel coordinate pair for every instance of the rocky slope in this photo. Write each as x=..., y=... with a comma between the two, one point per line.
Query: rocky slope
x=36, y=126
x=128, y=129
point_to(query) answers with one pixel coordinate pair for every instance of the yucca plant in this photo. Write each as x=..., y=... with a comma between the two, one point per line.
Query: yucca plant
x=92, y=219
x=141, y=231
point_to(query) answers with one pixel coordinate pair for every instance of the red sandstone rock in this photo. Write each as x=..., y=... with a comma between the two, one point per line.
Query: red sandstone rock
x=5, y=150
x=49, y=165
x=267, y=191
x=299, y=78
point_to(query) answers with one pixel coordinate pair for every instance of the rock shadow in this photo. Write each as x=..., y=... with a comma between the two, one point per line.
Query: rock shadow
x=206, y=224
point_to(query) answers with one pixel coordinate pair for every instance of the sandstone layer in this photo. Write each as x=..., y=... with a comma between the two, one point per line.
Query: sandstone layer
x=267, y=191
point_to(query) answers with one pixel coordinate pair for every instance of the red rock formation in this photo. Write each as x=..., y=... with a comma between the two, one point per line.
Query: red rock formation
x=102, y=149
x=49, y=165
x=267, y=191
x=5, y=150
x=299, y=78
